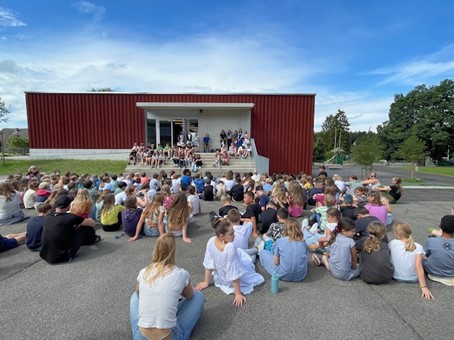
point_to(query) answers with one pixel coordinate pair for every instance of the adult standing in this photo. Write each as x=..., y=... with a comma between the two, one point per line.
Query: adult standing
x=206, y=143
x=64, y=233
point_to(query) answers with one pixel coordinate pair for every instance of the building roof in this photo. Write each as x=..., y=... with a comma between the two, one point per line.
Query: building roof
x=9, y=132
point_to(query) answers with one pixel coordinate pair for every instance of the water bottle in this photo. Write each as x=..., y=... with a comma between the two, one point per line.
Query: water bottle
x=274, y=283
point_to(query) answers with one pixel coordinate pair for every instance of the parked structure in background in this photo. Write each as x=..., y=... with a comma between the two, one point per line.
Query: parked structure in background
x=63, y=124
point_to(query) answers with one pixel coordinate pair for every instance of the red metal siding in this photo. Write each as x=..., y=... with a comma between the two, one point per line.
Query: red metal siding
x=282, y=125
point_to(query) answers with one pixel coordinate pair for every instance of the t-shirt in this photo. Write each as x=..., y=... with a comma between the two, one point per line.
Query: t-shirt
x=276, y=230
x=194, y=200
x=361, y=226
x=376, y=266
x=224, y=210
x=29, y=199
x=267, y=217
x=440, y=260
x=199, y=184
x=348, y=211
x=263, y=200
x=58, y=236
x=120, y=198
x=252, y=210
x=158, y=302
x=111, y=217
x=404, y=261
x=34, y=232
x=242, y=234
x=208, y=193
x=340, y=260
x=394, y=192
x=185, y=182
x=379, y=211
x=237, y=192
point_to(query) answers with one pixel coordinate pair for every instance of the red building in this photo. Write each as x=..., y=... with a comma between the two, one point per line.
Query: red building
x=65, y=124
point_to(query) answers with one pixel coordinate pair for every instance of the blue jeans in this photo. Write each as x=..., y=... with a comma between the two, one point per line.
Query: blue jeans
x=188, y=313
x=267, y=261
x=151, y=232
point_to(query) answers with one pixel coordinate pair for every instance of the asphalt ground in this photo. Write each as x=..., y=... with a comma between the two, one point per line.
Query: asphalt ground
x=89, y=298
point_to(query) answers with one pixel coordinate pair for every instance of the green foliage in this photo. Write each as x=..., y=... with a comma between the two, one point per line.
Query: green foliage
x=336, y=132
x=426, y=112
x=4, y=111
x=16, y=144
x=78, y=166
x=319, y=148
x=412, y=150
x=368, y=149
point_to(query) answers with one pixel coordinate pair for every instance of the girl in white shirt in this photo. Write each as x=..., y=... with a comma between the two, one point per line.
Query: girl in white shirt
x=406, y=257
x=156, y=311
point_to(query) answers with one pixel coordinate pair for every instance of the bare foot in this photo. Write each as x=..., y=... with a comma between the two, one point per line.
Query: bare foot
x=187, y=240
x=255, y=235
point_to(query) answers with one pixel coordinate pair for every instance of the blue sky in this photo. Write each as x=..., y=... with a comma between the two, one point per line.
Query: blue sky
x=355, y=55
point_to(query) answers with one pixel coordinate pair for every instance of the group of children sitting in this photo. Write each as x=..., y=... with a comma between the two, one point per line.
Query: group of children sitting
x=344, y=231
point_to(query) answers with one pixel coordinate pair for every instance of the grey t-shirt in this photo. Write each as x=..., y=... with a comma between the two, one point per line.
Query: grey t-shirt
x=440, y=257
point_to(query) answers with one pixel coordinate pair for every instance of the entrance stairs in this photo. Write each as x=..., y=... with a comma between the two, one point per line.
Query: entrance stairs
x=236, y=165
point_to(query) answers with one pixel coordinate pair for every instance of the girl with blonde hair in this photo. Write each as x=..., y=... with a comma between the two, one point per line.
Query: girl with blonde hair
x=82, y=205
x=407, y=257
x=178, y=217
x=288, y=258
x=153, y=217
x=156, y=308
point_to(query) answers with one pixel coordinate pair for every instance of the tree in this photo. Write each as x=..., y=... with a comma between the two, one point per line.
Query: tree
x=17, y=143
x=4, y=111
x=368, y=149
x=319, y=148
x=428, y=113
x=412, y=150
x=335, y=131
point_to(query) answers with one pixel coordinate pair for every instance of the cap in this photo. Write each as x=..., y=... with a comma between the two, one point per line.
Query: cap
x=259, y=187
x=62, y=202
x=348, y=198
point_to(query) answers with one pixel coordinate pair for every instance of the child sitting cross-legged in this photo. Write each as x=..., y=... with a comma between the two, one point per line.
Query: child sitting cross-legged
x=316, y=241
x=341, y=257
x=376, y=267
x=288, y=258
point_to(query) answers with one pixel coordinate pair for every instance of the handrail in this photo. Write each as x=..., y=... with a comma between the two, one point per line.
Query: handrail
x=262, y=164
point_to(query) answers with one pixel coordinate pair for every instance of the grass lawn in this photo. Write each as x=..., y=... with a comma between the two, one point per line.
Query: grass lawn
x=10, y=167
x=439, y=170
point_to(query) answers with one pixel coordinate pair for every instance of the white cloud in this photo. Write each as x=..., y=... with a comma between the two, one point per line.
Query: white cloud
x=8, y=18
x=363, y=111
x=87, y=7
x=420, y=70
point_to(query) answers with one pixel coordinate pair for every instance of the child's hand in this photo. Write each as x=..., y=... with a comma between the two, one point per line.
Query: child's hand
x=201, y=286
x=132, y=239
x=239, y=300
x=426, y=294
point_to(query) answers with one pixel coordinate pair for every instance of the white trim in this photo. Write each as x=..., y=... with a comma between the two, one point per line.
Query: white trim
x=111, y=154
x=220, y=106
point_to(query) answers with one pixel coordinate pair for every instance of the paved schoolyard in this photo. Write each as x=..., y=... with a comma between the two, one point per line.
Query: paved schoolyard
x=89, y=298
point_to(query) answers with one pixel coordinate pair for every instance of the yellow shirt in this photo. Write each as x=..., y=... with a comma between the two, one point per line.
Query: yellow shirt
x=112, y=216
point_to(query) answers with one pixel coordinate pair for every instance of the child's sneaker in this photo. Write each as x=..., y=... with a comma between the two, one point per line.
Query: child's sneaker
x=314, y=228
x=316, y=260
x=304, y=224
x=260, y=246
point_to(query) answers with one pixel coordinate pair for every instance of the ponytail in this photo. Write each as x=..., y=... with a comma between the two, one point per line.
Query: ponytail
x=377, y=231
x=410, y=244
x=404, y=230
